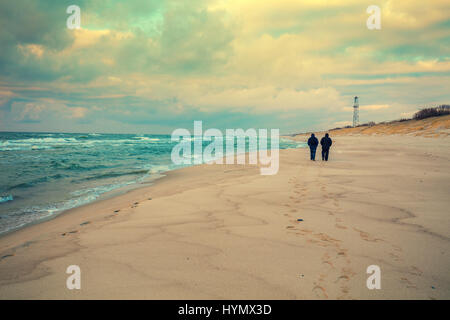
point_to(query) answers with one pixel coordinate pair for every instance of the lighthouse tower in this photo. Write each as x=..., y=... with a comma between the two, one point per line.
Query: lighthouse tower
x=356, y=112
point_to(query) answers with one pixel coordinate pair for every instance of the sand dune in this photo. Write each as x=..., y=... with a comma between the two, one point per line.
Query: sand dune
x=430, y=127
x=215, y=231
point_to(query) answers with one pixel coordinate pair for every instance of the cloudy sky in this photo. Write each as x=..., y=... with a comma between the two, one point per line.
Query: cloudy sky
x=148, y=66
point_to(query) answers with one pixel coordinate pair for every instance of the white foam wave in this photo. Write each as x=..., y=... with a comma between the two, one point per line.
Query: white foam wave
x=6, y=198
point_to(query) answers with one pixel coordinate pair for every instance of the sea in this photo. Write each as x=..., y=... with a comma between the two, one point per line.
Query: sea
x=44, y=174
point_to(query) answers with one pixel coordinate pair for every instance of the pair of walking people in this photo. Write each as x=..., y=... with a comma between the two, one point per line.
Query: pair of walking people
x=325, y=142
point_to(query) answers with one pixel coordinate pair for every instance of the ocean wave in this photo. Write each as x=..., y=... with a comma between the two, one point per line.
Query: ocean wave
x=159, y=168
x=44, y=140
x=73, y=166
x=147, y=139
x=114, y=175
x=34, y=144
x=33, y=182
x=91, y=194
x=24, y=148
x=79, y=141
x=18, y=219
x=6, y=198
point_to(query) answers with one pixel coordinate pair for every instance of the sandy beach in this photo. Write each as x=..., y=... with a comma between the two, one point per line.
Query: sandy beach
x=111, y=110
x=227, y=232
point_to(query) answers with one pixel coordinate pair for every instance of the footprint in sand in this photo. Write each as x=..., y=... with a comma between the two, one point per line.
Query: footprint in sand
x=366, y=236
x=66, y=233
x=326, y=238
x=408, y=283
x=394, y=256
x=135, y=205
x=26, y=244
x=7, y=256
x=416, y=271
x=304, y=232
x=342, y=253
x=347, y=271
x=85, y=223
x=326, y=260
x=320, y=292
x=343, y=277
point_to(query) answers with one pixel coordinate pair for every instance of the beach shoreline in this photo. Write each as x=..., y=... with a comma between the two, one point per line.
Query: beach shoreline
x=225, y=231
x=44, y=175
x=101, y=198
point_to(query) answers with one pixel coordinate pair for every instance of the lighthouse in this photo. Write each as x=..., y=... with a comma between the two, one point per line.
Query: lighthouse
x=356, y=112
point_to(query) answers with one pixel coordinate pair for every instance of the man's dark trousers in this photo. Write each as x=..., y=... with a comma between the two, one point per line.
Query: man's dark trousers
x=313, y=152
x=325, y=154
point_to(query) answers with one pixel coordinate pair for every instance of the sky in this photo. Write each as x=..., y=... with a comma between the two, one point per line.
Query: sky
x=147, y=66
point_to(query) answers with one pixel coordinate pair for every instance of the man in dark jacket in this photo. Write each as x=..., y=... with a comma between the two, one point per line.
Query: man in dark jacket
x=313, y=143
x=326, y=143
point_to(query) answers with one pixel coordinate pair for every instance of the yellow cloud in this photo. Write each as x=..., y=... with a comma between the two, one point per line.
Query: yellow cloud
x=32, y=49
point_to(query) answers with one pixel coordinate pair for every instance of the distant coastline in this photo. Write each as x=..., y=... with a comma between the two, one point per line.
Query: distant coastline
x=429, y=127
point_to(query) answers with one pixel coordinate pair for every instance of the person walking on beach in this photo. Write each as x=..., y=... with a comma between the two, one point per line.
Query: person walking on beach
x=326, y=143
x=313, y=143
